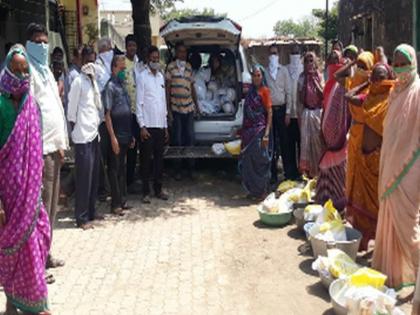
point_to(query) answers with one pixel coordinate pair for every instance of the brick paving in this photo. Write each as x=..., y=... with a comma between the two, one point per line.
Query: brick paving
x=203, y=252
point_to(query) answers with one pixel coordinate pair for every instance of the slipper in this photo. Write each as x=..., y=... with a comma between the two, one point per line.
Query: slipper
x=49, y=278
x=54, y=263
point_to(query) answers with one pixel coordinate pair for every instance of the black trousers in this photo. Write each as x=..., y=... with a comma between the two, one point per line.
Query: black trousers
x=183, y=135
x=151, y=156
x=103, y=176
x=284, y=144
x=132, y=153
x=87, y=175
x=117, y=171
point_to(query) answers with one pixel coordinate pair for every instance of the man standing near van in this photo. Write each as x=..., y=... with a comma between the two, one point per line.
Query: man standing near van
x=182, y=102
x=278, y=81
x=54, y=130
x=152, y=116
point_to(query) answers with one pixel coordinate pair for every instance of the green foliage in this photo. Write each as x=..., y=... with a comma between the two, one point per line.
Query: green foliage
x=307, y=27
x=163, y=6
x=176, y=14
x=332, y=21
x=312, y=26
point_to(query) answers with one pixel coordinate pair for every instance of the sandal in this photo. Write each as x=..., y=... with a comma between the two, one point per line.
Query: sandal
x=54, y=263
x=49, y=278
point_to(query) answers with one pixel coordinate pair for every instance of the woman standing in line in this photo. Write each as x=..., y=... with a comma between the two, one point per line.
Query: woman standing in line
x=24, y=226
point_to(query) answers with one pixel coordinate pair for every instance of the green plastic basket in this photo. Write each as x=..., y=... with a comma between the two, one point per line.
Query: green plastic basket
x=274, y=219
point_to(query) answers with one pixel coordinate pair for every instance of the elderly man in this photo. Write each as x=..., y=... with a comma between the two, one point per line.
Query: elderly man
x=85, y=114
x=54, y=130
x=278, y=81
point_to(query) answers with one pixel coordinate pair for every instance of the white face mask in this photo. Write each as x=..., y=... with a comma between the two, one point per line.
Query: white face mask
x=274, y=60
x=154, y=66
x=107, y=56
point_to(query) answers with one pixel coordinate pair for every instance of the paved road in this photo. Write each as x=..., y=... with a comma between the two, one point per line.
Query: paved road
x=203, y=252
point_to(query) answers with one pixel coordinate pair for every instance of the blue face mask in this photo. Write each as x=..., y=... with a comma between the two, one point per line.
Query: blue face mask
x=39, y=52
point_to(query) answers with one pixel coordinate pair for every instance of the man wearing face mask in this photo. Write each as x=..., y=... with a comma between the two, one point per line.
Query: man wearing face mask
x=182, y=102
x=85, y=113
x=118, y=123
x=278, y=81
x=152, y=117
x=295, y=68
x=54, y=129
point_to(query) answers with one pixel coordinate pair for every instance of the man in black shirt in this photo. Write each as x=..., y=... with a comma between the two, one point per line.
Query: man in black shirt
x=118, y=123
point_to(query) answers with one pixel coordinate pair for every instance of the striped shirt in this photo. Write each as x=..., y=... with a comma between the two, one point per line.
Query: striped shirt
x=180, y=88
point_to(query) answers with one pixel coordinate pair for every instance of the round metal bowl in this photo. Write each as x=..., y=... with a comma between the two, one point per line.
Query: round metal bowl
x=335, y=287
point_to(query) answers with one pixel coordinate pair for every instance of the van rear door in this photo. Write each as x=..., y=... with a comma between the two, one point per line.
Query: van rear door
x=200, y=30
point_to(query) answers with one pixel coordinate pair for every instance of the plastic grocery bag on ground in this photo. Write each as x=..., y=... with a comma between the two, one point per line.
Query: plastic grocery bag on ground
x=322, y=265
x=370, y=301
x=275, y=205
x=340, y=264
x=368, y=277
x=233, y=147
x=309, y=191
x=287, y=185
x=329, y=226
x=312, y=212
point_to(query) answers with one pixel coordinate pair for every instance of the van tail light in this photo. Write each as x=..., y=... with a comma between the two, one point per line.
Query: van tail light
x=245, y=89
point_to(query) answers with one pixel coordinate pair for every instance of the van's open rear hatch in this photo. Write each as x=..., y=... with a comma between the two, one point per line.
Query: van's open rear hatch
x=201, y=30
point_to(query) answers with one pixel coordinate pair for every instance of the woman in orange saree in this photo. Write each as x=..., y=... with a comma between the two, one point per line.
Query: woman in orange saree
x=363, y=207
x=397, y=244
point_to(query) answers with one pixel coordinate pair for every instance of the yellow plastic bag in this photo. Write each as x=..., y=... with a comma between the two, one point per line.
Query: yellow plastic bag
x=233, y=147
x=329, y=214
x=368, y=277
x=341, y=265
x=287, y=185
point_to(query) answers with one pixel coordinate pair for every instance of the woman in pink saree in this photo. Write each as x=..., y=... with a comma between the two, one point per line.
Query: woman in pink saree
x=398, y=233
x=24, y=226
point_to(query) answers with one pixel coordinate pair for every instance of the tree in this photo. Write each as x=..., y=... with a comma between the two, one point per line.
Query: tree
x=176, y=14
x=141, y=20
x=306, y=27
x=319, y=14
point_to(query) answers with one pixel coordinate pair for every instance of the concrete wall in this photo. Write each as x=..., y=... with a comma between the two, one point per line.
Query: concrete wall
x=371, y=23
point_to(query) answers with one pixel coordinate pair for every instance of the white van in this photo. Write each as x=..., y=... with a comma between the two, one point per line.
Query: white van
x=207, y=36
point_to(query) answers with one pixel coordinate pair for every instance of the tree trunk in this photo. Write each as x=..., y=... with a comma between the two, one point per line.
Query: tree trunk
x=142, y=28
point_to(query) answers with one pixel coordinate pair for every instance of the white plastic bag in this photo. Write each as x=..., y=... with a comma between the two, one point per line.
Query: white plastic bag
x=218, y=148
x=228, y=108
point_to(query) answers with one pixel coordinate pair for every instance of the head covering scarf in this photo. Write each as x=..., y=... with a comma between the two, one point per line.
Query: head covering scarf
x=352, y=48
x=361, y=76
x=89, y=70
x=406, y=75
x=332, y=69
x=295, y=66
x=10, y=83
x=260, y=68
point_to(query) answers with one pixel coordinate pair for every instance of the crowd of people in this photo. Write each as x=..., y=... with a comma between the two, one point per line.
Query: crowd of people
x=358, y=134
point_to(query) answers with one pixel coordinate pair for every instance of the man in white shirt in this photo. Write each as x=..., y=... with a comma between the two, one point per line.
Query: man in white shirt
x=54, y=130
x=295, y=68
x=152, y=118
x=85, y=113
x=278, y=81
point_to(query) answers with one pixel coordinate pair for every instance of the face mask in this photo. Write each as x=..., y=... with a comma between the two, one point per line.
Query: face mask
x=121, y=75
x=274, y=60
x=107, y=56
x=154, y=66
x=398, y=70
x=39, y=52
x=12, y=84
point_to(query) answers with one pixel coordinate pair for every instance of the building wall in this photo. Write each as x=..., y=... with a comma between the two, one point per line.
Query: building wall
x=371, y=23
x=122, y=21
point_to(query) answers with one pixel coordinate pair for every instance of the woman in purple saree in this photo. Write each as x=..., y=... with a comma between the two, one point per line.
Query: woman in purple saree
x=255, y=158
x=24, y=226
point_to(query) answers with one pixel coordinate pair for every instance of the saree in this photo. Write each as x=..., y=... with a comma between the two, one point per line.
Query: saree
x=363, y=205
x=356, y=129
x=332, y=167
x=311, y=144
x=255, y=161
x=397, y=244
x=25, y=238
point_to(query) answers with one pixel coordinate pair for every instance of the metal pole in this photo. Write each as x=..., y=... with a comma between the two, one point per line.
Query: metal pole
x=47, y=14
x=326, y=28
